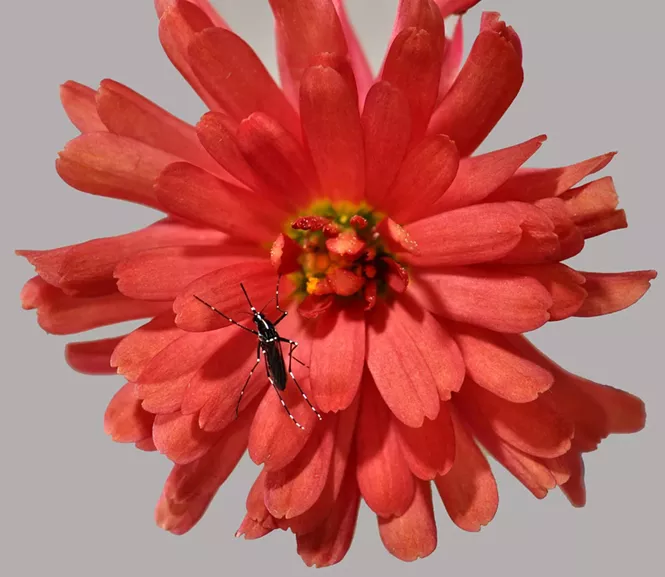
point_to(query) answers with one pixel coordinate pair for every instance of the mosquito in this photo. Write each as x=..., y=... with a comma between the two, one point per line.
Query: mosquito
x=270, y=345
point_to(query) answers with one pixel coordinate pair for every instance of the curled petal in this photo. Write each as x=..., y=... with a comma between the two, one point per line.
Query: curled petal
x=487, y=298
x=92, y=357
x=338, y=355
x=612, y=292
x=533, y=184
x=478, y=176
x=125, y=421
x=109, y=165
x=384, y=478
x=468, y=490
x=495, y=365
x=78, y=101
x=412, y=535
x=485, y=87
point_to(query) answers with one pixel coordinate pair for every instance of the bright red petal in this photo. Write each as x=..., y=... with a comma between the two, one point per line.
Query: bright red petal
x=612, y=292
x=125, y=421
x=78, y=101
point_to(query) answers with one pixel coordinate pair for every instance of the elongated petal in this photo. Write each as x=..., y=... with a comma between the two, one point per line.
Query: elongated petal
x=612, y=292
x=235, y=76
x=386, y=122
x=485, y=87
x=427, y=172
x=450, y=7
x=179, y=24
x=478, y=176
x=403, y=365
x=137, y=349
x=412, y=535
x=125, y=421
x=106, y=164
x=87, y=268
x=453, y=57
x=496, y=366
x=469, y=235
x=338, y=356
x=278, y=158
x=92, y=357
x=486, y=298
x=423, y=14
x=575, y=489
x=127, y=113
x=533, y=184
x=430, y=449
x=306, y=29
x=78, y=101
x=595, y=199
x=468, y=490
x=535, y=427
x=329, y=543
x=179, y=437
x=197, y=195
x=294, y=489
x=384, y=478
x=413, y=65
x=162, y=5
x=163, y=273
x=164, y=397
x=178, y=520
x=221, y=289
x=332, y=130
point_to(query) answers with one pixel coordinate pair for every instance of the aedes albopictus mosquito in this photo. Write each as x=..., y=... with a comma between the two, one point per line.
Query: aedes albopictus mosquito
x=270, y=345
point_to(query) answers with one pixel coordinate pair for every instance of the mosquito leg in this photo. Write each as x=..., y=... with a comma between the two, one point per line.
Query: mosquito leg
x=242, y=391
x=281, y=400
x=292, y=347
x=284, y=313
x=213, y=309
x=297, y=360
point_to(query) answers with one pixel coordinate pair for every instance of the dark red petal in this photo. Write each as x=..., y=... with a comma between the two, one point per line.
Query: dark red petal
x=478, y=176
x=127, y=113
x=537, y=427
x=329, y=543
x=197, y=195
x=125, y=421
x=468, y=490
x=92, y=357
x=612, y=292
x=78, y=101
x=412, y=535
x=485, y=87
x=488, y=298
x=413, y=65
x=338, y=356
x=293, y=490
x=305, y=29
x=278, y=158
x=426, y=173
x=221, y=289
x=384, y=478
x=109, y=165
x=136, y=350
x=233, y=74
x=429, y=450
x=331, y=126
x=469, y=235
x=386, y=123
x=497, y=366
x=533, y=184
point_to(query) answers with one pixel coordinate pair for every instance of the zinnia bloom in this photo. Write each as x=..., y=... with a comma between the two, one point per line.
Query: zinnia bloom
x=411, y=270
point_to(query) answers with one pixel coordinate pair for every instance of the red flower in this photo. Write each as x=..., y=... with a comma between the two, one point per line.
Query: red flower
x=414, y=267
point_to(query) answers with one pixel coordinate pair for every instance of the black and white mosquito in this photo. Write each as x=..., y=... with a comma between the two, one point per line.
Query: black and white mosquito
x=270, y=345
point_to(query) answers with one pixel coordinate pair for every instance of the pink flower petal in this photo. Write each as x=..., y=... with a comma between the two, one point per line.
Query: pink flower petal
x=487, y=298
x=92, y=357
x=468, y=490
x=125, y=421
x=197, y=195
x=485, y=87
x=612, y=292
x=332, y=130
x=478, y=176
x=234, y=75
x=78, y=101
x=412, y=535
x=106, y=164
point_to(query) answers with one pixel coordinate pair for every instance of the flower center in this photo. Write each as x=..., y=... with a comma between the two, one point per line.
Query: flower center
x=343, y=250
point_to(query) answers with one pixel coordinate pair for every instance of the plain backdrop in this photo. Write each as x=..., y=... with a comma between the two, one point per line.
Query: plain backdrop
x=74, y=503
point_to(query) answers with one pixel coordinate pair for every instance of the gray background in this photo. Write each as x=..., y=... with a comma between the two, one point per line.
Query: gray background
x=73, y=502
